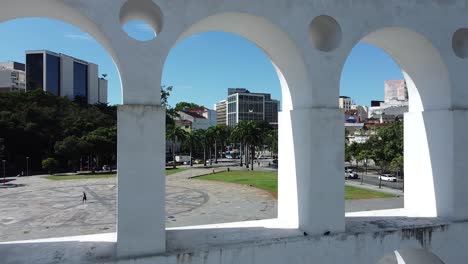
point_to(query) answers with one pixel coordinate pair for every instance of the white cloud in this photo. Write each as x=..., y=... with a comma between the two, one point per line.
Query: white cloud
x=77, y=36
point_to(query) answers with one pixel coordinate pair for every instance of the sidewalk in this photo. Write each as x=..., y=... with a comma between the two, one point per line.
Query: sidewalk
x=375, y=188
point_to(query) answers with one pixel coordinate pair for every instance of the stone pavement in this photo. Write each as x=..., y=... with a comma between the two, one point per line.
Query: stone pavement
x=41, y=208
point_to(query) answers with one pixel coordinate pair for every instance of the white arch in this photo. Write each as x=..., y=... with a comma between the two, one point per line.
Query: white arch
x=426, y=74
x=281, y=50
x=428, y=126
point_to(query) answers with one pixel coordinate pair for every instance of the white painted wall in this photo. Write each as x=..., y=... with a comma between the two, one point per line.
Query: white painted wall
x=5, y=78
x=66, y=77
x=103, y=86
x=93, y=83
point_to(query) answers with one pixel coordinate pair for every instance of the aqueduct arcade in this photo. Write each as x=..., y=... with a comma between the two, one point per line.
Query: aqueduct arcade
x=308, y=42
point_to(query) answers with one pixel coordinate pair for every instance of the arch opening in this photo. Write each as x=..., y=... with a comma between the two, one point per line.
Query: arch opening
x=60, y=81
x=240, y=82
x=403, y=122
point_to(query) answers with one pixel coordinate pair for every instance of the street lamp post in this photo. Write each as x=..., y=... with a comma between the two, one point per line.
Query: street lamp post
x=4, y=174
x=27, y=166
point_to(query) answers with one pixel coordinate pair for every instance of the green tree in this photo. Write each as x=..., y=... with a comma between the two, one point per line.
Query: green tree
x=354, y=149
x=251, y=134
x=182, y=105
x=239, y=135
x=171, y=113
x=175, y=134
x=386, y=145
x=72, y=149
x=192, y=140
x=50, y=164
x=103, y=143
x=211, y=137
x=201, y=135
x=397, y=164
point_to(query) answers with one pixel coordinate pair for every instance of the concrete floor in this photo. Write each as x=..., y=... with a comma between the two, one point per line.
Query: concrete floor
x=41, y=208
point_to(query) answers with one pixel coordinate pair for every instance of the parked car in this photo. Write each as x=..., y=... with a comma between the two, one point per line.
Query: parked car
x=387, y=177
x=106, y=168
x=353, y=175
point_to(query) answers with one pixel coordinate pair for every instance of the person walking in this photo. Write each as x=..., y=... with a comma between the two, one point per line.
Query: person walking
x=84, y=197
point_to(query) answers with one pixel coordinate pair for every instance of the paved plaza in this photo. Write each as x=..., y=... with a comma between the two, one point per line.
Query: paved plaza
x=39, y=208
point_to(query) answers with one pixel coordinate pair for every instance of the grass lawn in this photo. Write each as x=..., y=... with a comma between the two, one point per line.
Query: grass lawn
x=97, y=176
x=269, y=181
x=355, y=193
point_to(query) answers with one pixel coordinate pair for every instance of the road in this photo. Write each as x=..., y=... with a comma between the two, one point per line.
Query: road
x=374, y=180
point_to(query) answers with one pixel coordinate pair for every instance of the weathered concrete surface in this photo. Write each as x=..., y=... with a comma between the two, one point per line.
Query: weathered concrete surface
x=367, y=239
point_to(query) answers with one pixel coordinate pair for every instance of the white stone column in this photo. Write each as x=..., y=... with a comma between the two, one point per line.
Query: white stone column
x=141, y=180
x=311, y=169
x=460, y=164
x=430, y=178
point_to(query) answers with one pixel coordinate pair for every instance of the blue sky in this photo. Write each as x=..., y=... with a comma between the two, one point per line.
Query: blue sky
x=201, y=68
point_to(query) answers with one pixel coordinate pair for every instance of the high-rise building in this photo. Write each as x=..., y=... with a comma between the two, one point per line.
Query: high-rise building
x=242, y=105
x=12, y=77
x=395, y=90
x=221, y=112
x=63, y=75
x=345, y=103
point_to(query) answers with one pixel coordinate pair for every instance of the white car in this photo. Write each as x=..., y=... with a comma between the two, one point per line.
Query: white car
x=387, y=177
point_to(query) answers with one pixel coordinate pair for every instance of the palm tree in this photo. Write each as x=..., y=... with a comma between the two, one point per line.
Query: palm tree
x=175, y=133
x=210, y=139
x=217, y=137
x=238, y=135
x=192, y=139
x=201, y=135
x=253, y=137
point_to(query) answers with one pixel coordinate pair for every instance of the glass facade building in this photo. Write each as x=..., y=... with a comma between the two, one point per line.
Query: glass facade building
x=64, y=75
x=34, y=71
x=52, y=74
x=80, y=80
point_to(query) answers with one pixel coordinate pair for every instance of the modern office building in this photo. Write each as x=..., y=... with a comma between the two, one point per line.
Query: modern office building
x=63, y=75
x=242, y=105
x=221, y=112
x=12, y=77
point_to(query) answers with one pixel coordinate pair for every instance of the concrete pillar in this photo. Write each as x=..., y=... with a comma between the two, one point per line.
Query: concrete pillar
x=460, y=164
x=430, y=178
x=141, y=180
x=311, y=168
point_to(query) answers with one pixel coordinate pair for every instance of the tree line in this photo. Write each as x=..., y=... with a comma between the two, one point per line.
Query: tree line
x=384, y=147
x=38, y=128
x=210, y=144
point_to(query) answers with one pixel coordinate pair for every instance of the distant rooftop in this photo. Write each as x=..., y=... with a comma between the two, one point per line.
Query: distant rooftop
x=57, y=55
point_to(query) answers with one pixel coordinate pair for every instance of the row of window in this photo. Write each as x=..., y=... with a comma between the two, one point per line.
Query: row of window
x=35, y=75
